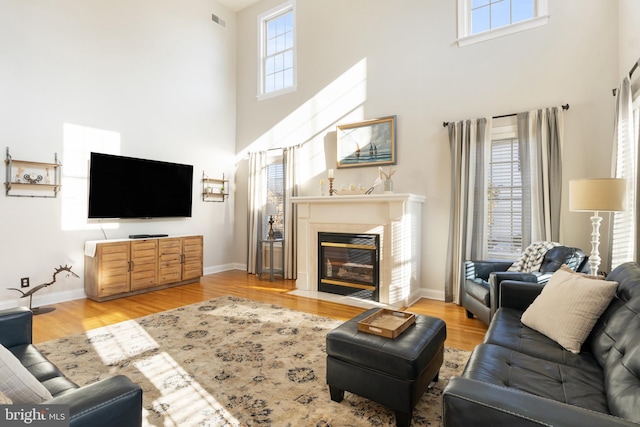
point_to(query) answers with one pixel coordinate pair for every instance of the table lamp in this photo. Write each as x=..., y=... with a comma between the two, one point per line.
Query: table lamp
x=596, y=195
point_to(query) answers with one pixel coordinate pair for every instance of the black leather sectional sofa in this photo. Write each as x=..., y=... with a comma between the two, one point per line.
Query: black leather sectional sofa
x=114, y=401
x=518, y=376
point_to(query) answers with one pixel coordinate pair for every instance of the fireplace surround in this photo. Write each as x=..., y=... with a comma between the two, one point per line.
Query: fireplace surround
x=395, y=218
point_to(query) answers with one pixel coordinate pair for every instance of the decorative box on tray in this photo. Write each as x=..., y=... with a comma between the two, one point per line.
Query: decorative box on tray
x=387, y=323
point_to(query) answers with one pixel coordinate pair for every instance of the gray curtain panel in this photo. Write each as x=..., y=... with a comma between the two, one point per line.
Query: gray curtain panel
x=540, y=148
x=467, y=142
x=257, y=196
x=291, y=184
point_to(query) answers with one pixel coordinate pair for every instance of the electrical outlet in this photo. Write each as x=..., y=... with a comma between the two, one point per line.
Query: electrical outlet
x=24, y=282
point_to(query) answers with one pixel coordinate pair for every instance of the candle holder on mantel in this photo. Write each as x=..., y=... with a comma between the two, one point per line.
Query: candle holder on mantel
x=270, y=234
x=332, y=191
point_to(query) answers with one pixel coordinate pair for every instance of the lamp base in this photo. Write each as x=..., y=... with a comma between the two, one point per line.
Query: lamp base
x=594, y=258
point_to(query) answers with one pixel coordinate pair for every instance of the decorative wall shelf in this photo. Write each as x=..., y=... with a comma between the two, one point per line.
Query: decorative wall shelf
x=214, y=189
x=26, y=178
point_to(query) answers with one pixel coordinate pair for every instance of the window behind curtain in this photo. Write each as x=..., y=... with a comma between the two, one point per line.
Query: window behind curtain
x=504, y=200
x=274, y=204
x=623, y=230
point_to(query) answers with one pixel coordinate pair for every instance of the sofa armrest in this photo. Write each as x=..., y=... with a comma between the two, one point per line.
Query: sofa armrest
x=495, y=281
x=470, y=402
x=481, y=268
x=110, y=402
x=15, y=326
x=515, y=294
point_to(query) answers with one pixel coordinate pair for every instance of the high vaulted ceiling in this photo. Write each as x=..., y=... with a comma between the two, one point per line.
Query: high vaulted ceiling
x=237, y=5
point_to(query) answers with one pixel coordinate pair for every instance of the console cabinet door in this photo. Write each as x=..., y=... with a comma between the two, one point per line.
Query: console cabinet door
x=113, y=268
x=144, y=264
x=191, y=257
x=170, y=261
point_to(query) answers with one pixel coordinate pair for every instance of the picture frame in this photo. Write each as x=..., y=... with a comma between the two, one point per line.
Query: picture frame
x=367, y=143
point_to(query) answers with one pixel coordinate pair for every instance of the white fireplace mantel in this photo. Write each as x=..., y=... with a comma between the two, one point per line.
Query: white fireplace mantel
x=395, y=217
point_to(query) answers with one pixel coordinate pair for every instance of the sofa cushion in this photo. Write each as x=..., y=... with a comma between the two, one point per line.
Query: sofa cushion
x=568, y=307
x=580, y=386
x=17, y=382
x=556, y=257
x=507, y=330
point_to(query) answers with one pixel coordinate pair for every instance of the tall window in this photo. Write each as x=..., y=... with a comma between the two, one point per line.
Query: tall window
x=504, y=200
x=274, y=204
x=277, y=50
x=480, y=20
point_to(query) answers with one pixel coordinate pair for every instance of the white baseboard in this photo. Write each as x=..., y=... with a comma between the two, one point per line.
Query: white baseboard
x=432, y=294
x=48, y=299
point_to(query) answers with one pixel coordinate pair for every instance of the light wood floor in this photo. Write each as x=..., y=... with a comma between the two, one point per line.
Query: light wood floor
x=77, y=316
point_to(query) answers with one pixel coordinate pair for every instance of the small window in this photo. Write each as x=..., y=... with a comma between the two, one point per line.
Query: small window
x=480, y=20
x=277, y=51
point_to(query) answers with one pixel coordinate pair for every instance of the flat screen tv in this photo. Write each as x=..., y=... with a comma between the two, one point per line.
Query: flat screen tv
x=127, y=187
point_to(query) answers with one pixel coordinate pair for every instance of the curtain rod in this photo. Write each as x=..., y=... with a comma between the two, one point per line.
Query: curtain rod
x=615, y=91
x=564, y=107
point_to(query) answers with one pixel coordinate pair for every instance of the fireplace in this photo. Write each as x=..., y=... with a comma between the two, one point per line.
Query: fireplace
x=395, y=218
x=349, y=264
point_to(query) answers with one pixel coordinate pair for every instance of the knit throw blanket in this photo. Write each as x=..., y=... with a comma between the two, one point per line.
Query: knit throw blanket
x=532, y=257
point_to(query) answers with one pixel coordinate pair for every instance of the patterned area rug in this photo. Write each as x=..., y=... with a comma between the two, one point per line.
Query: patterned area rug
x=231, y=361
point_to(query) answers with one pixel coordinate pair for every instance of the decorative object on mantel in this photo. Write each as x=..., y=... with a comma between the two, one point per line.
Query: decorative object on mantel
x=388, y=183
x=368, y=143
x=332, y=191
x=40, y=310
x=596, y=195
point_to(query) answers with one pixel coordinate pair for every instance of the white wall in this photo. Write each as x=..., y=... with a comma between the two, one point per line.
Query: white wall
x=365, y=59
x=158, y=76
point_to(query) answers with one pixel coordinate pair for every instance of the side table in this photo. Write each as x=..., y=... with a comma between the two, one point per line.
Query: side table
x=272, y=270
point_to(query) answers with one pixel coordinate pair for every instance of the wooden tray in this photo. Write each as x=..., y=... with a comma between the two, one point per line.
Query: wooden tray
x=387, y=323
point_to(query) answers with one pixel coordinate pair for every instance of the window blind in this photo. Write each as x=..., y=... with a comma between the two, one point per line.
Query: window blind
x=274, y=204
x=504, y=201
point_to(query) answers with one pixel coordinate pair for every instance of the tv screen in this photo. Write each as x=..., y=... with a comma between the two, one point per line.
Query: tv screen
x=127, y=187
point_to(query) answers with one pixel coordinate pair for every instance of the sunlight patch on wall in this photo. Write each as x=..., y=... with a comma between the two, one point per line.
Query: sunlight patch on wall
x=319, y=115
x=78, y=143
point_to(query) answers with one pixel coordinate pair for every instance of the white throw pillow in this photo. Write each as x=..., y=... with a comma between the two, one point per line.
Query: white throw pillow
x=568, y=307
x=17, y=383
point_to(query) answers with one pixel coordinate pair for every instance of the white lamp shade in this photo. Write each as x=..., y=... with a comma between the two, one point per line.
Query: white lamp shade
x=600, y=194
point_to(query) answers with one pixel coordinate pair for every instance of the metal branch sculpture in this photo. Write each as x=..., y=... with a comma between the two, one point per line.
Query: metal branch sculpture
x=30, y=293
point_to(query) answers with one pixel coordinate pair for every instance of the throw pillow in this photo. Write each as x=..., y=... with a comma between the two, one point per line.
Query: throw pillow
x=4, y=400
x=17, y=383
x=568, y=308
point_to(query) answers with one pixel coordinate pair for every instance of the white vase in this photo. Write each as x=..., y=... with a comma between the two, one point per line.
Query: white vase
x=388, y=185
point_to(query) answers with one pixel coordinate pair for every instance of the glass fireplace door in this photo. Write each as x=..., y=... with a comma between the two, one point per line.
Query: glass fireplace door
x=348, y=264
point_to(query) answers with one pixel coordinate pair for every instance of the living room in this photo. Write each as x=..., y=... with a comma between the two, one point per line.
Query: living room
x=169, y=84
x=163, y=81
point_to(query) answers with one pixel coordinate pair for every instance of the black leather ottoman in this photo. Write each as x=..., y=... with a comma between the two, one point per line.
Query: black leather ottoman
x=394, y=372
